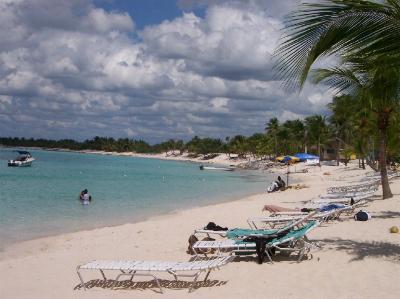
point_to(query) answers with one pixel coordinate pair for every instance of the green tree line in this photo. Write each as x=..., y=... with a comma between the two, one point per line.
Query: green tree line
x=350, y=129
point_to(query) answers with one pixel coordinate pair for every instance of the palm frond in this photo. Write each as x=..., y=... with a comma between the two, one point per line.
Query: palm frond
x=335, y=26
x=339, y=79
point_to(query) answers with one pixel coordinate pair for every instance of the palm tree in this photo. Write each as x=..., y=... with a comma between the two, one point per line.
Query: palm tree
x=342, y=120
x=365, y=29
x=377, y=81
x=364, y=128
x=317, y=130
x=272, y=127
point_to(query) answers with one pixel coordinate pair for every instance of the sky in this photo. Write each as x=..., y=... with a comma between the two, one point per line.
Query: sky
x=144, y=69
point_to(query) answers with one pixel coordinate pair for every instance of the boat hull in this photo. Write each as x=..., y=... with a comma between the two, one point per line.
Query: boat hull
x=216, y=168
x=16, y=163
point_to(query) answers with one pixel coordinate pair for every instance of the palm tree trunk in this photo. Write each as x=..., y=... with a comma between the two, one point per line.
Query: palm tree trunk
x=383, y=123
x=337, y=151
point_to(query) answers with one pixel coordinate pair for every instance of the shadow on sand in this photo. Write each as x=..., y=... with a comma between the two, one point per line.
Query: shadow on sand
x=360, y=250
x=387, y=215
x=152, y=285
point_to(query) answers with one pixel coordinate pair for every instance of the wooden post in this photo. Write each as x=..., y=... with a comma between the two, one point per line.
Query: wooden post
x=287, y=175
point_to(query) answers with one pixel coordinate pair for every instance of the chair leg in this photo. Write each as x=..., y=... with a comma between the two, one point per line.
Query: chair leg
x=80, y=277
x=116, y=280
x=102, y=273
x=194, y=281
x=301, y=254
x=208, y=273
x=268, y=255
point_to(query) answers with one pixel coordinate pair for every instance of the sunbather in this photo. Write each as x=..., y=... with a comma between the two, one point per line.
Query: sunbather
x=279, y=184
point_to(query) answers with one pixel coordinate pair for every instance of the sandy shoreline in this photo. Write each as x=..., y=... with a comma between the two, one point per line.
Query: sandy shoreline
x=358, y=259
x=220, y=159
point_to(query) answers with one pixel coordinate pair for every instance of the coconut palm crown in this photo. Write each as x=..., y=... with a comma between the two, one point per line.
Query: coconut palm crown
x=366, y=37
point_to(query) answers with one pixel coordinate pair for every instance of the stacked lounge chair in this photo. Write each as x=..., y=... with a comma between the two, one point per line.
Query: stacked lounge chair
x=339, y=199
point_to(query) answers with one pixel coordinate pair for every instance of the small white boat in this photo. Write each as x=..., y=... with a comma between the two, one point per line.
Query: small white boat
x=24, y=159
x=202, y=167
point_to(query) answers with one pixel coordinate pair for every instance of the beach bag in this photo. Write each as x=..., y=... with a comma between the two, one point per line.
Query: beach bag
x=192, y=240
x=362, y=216
x=214, y=227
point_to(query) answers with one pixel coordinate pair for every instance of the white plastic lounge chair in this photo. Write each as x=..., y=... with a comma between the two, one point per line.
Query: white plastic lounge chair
x=377, y=175
x=350, y=194
x=361, y=187
x=293, y=240
x=342, y=199
x=149, y=268
x=273, y=221
x=284, y=217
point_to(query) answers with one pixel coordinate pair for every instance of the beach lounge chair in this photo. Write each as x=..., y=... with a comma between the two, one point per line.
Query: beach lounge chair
x=344, y=198
x=377, y=175
x=362, y=187
x=270, y=222
x=290, y=241
x=279, y=218
x=132, y=268
x=348, y=195
x=243, y=233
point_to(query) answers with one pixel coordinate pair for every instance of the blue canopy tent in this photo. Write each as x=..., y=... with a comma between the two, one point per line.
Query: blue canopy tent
x=305, y=157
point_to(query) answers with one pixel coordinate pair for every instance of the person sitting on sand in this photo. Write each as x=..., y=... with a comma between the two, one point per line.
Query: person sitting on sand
x=281, y=183
x=277, y=185
x=273, y=187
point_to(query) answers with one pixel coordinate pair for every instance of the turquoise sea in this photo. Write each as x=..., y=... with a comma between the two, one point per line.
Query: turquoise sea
x=43, y=200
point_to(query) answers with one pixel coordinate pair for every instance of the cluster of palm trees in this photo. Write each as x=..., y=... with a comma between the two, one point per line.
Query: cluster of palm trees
x=364, y=38
x=294, y=136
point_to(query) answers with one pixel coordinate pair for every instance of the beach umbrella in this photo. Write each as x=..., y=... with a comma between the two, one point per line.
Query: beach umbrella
x=304, y=156
x=287, y=159
x=280, y=158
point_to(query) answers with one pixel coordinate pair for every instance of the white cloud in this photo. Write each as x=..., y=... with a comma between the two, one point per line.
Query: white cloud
x=71, y=69
x=130, y=133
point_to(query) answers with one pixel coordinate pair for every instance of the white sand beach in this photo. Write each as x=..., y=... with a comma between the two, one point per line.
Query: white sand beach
x=357, y=259
x=220, y=159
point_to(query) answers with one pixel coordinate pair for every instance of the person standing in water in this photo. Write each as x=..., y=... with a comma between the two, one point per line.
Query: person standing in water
x=85, y=197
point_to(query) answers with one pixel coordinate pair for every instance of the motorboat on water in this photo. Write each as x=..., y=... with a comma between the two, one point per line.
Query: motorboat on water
x=24, y=159
x=202, y=167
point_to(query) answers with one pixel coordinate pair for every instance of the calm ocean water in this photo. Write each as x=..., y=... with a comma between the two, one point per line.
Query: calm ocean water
x=42, y=200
